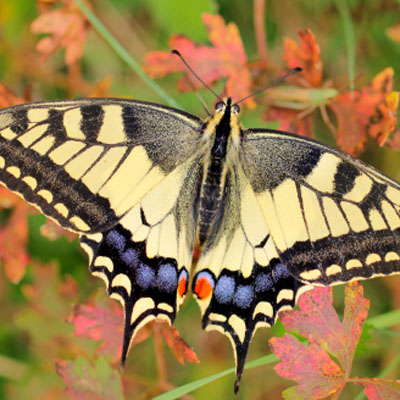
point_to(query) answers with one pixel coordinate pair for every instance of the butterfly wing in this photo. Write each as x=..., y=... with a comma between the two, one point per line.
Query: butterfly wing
x=113, y=171
x=332, y=218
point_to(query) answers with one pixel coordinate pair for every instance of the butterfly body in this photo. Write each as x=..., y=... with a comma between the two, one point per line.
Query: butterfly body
x=275, y=214
x=221, y=134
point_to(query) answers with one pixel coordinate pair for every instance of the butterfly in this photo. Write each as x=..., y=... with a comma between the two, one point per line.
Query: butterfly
x=273, y=214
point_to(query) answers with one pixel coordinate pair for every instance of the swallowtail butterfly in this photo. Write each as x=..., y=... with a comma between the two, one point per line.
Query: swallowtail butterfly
x=274, y=214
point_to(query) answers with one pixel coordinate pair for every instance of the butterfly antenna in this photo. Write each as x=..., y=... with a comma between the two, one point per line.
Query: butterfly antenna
x=176, y=52
x=291, y=72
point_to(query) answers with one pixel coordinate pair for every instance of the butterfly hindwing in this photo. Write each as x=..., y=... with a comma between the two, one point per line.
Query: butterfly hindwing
x=332, y=218
x=146, y=258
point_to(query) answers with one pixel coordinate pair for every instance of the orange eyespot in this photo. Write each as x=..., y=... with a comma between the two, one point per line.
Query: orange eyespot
x=204, y=285
x=182, y=283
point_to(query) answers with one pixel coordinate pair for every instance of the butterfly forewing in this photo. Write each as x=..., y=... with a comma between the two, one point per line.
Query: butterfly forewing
x=332, y=218
x=85, y=163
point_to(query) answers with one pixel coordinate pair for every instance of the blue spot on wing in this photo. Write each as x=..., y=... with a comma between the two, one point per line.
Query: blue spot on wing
x=145, y=276
x=116, y=240
x=263, y=282
x=130, y=257
x=280, y=271
x=224, y=289
x=244, y=296
x=167, y=277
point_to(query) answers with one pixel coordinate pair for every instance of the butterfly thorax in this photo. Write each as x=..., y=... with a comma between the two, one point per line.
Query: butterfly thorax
x=221, y=133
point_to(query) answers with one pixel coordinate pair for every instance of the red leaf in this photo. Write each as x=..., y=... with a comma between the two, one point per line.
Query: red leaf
x=317, y=375
x=226, y=59
x=355, y=313
x=311, y=367
x=306, y=55
x=66, y=27
x=182, y=351
x=318, y=321
x=84, y=382
x=379, y=389
x=100, y=322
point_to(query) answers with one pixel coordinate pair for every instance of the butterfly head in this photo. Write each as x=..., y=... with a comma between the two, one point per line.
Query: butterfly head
x=227, y=106
x=226, y=120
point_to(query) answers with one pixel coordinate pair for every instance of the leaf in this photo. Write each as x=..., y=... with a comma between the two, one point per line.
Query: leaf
x=394, y=141
x=100, y=322
x=182, y=351
x=385, y=118
x=8, y=98
x=317, y=320
x=290, y=120
x=306, y=55
x=367, y=111
x=66, y=27
x=355, y=313
x=13, y=235
x=379, y=389
x=84, y=382
x=317, y=375
x=225, y=59
x=393, y=32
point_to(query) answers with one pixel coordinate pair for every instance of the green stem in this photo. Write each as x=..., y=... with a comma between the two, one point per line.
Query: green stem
x=123, y=54
x=344, y=12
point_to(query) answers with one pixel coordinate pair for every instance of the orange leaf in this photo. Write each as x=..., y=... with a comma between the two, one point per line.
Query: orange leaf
x=367, y=111
x=66, y=27
x=306, y=55
x=8, y=98
x=182, y=351
x=393, y=32
x=225, y=59
x=14, y=236
x=394, y=141
x=384, y=120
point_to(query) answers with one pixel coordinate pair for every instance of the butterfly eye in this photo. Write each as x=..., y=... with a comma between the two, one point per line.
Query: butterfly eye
x=236, y=109
x=219, y=106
